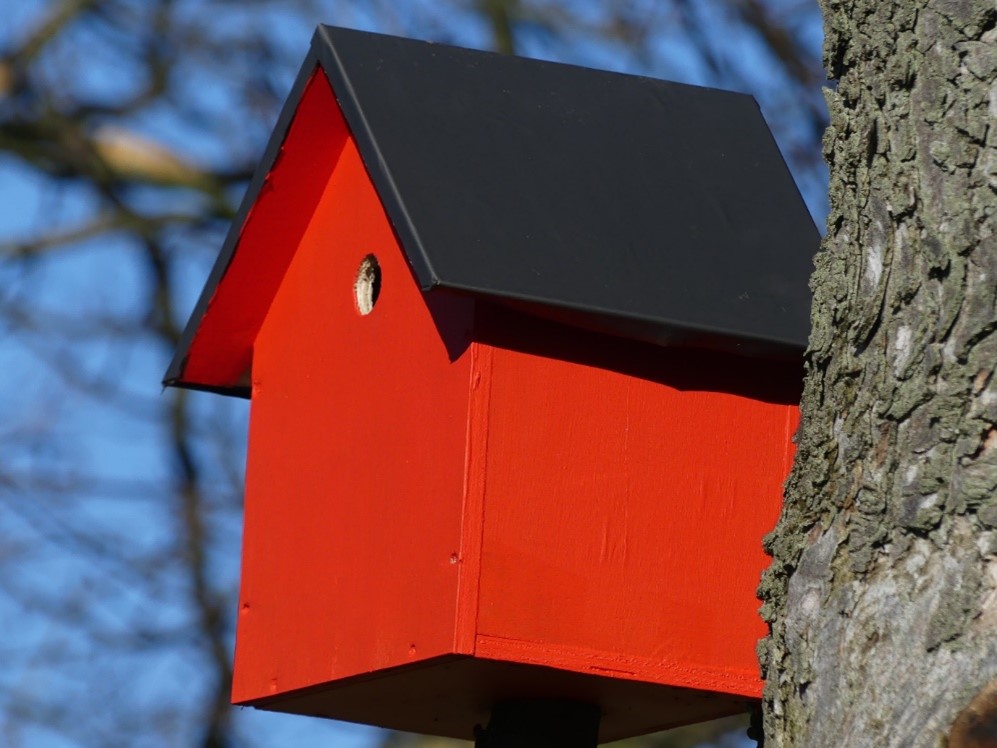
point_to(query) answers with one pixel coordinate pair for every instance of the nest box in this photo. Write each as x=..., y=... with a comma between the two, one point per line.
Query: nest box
x=523, y=345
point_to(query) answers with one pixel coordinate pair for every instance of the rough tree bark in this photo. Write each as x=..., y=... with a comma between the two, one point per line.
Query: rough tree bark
x=882, y=594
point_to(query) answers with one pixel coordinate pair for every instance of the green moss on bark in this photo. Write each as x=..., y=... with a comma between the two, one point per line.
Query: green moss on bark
x=880, y=558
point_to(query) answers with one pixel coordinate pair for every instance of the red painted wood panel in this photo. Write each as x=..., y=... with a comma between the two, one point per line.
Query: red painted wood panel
x=448, y=477
x=623, y=514
x=356, y=462
x=221, y=353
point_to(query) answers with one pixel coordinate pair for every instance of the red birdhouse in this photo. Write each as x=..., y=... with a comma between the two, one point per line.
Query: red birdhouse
x=523, y=346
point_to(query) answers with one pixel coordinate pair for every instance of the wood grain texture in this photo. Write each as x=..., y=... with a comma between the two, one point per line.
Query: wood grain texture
x=624, y=513
x=882, y=593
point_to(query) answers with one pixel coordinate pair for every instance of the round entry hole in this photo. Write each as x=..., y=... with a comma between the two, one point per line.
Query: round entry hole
x=367, y=286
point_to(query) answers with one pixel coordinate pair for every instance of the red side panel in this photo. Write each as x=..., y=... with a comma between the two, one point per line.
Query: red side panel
x=221, y=353
x=623, y=519
x=356, y=462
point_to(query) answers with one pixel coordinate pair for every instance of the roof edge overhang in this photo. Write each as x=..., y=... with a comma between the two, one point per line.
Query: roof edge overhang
x=323, y=59
x=175, y=375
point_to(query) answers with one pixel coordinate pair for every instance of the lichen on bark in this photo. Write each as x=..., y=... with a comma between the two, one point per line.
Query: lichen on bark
x=882, y=592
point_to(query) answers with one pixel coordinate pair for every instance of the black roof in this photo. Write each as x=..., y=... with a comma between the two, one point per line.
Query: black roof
x=644, y=208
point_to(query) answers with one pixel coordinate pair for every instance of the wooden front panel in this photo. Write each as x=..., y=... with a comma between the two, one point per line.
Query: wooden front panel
x=624, y=510
x=356, y=462
x=220, y=353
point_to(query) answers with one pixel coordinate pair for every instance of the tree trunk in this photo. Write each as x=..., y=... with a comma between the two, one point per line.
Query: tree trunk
x=882, y=594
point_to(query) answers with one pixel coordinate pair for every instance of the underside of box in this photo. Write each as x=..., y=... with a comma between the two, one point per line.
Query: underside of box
x=449, y=696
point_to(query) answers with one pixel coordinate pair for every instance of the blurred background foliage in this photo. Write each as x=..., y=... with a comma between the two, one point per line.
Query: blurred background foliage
x=128, y=131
